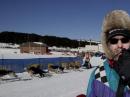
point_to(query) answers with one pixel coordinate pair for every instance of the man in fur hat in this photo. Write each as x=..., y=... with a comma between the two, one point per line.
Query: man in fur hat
x=112, y=77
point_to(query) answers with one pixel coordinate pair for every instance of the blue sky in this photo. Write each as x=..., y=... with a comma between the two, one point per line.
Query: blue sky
x=75, y=19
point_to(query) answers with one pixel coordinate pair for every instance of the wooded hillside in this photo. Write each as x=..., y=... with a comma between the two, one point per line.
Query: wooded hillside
x=18, y=38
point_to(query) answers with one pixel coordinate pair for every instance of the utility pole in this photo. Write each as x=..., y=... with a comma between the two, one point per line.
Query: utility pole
x=79, y=45
x=28, y=44
x=90, y=42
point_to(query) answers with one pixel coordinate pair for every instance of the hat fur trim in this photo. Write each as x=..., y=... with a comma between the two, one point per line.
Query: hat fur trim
x=117, y=19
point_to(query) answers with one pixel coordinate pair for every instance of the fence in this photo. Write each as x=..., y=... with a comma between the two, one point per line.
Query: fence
x=18, y=65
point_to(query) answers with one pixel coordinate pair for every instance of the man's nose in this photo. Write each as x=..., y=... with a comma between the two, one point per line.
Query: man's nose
x=120, y=44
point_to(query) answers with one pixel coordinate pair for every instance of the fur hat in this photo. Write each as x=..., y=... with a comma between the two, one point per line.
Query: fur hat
x=116, y=22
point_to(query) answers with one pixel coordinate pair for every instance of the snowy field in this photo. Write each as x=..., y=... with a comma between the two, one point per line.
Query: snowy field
x=6, y=53
x=68, y=84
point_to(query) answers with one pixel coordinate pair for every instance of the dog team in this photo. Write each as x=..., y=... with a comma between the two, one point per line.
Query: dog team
x=36, y=69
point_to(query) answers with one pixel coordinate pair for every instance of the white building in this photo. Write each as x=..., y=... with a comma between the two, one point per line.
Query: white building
x=91, y=48
x=94, y=48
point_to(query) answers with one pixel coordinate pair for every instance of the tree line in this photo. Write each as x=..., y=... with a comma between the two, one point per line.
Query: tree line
x=19, y=38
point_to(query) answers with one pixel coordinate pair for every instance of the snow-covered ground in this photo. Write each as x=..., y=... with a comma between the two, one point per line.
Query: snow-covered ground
x=68, y=84
x=8, y=53
x=95, y=61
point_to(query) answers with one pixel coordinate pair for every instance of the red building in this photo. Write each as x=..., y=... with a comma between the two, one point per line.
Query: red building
x=34, y=48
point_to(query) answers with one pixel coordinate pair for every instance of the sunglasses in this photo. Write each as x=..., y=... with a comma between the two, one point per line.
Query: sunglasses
x=115, y=40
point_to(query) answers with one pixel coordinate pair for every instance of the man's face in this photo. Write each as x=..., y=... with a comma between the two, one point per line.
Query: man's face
x=117, y=43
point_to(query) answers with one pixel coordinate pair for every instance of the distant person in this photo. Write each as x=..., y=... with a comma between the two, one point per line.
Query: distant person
x=112, y=77
x=103, y=57
x=86, y=60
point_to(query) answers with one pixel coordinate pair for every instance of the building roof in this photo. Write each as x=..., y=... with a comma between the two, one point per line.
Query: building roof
x=34, y=44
